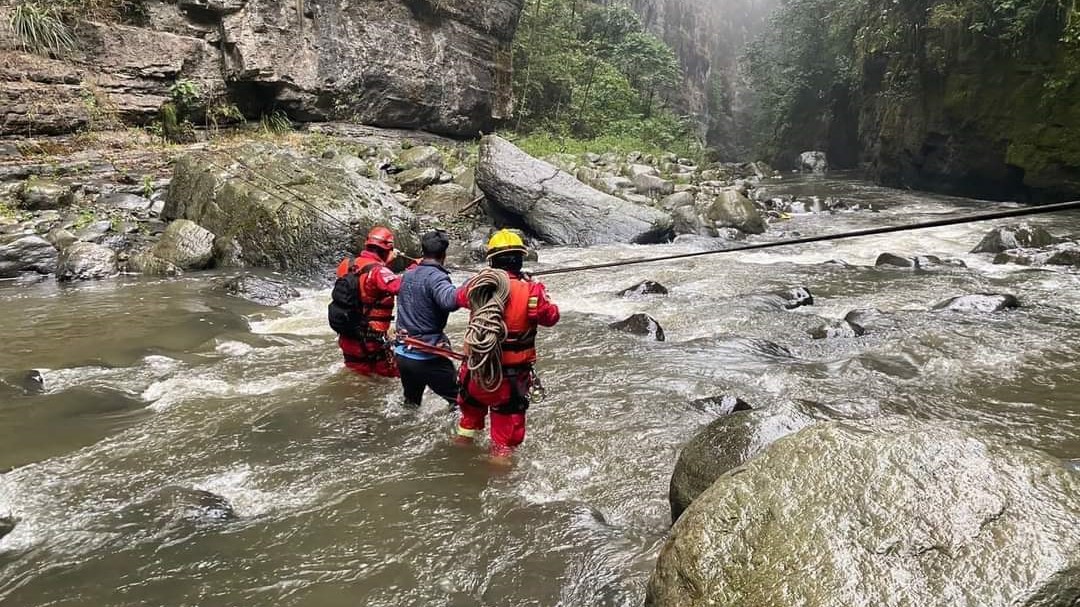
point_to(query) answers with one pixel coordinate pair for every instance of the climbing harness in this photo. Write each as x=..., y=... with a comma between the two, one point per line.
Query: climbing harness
x=489, y=291
x=537, y=391
x=420, y=346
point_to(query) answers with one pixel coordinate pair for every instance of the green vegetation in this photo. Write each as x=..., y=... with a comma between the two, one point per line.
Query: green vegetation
x=587, y=73
x=276, y=123
x=40, y=29
x=827, y=45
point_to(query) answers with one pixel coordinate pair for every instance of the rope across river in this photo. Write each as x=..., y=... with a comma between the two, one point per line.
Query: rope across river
x=305, y=205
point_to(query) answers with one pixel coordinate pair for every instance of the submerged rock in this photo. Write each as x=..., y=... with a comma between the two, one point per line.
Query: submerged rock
x=888, y=512
x=979, y=302
x=86, y=261
x=1018, y=236
x=647, y=287
x=199, y=506
x=7, y=525
x=787, y=299
x=813, y=162
x=262, y=291
x=838, y=329
x=640, y=324
x=1061, y=254
x=871, y=320
x=721, y=405
x=26, y=253
x=556, y=206
x=32, y=382
x=724, y=444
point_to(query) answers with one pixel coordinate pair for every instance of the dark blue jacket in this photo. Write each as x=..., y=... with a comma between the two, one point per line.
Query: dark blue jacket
x=426, y=299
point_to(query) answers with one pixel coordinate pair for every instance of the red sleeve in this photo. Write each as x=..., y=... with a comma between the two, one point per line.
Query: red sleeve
x=385, y=280
x=463, y=296
x=546, y=313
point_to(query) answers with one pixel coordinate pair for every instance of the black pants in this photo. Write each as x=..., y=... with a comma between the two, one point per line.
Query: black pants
x=435, y=373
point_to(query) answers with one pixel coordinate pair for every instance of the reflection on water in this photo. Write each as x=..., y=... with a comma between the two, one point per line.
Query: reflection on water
x=157, y=390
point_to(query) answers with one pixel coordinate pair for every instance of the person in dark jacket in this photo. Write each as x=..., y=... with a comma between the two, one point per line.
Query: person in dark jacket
x=425, y=301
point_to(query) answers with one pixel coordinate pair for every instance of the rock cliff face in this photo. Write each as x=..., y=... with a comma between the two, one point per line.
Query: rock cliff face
x=441, y=65
x=709, y=36
x=949, y=97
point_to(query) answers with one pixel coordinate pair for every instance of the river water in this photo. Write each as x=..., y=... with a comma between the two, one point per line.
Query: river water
x=159, y=389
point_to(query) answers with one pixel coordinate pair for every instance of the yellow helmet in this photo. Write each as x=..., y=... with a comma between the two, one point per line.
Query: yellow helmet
x=505, y=241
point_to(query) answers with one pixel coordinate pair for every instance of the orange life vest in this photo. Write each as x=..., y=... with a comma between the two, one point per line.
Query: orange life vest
x=519, y=348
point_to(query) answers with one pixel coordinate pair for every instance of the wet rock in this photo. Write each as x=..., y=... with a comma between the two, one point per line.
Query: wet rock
x=1061, y=254
x=94, y=231
x=725, y=444
x=891, y=511
x=787, y=299
x=26, y=253
x=86, y=261
x=7, y=525
x=647, y=287
x=895, y=261
x=813, y=162
x=32, y=382
x=186, y=245
x=125, y=202
x=414, y=180
x=42, y=194
x=1018, y=236
x=145, y=262
x=199, y=506
x=640, y=324
x=557, y=207
x=446, y=199
x=979, y=303
x=733, y=210
x=424, y=156
x=871, y=320
x=272, y=234
x=838, y=329
x=262, y=291
x=650, y=185
x=721, y=405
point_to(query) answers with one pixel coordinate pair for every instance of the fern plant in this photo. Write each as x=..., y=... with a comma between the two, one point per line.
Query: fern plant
x=41, y=30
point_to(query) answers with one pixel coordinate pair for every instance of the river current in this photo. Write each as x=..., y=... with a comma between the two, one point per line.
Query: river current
x=159, y=390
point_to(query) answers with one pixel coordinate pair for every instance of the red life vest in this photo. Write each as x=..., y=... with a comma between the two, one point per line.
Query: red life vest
x=519, y=348
x=375, y=305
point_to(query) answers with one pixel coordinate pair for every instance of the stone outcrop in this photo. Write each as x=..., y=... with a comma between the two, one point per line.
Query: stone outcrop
x=311, y=223
x=438, y=65
x=26, y=253
x=86, y=261
x=884, y=512
x=557, y=207
x=1018, y=236
x=259, y=290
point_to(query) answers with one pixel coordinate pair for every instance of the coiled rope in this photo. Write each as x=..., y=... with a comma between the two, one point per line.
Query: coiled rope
x=488, y=292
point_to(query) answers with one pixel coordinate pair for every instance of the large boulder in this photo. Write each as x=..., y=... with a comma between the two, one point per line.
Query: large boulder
x=26, y=253
x=86, y=261
x=733, y=210
x=284, y=210
x=424, y=156
x=186, y=245
x=1018, y=236
x=883, y=512
x=414, y=180
x=813, y=162
x=556, y=206
x=1061, y=254
x=726, y=443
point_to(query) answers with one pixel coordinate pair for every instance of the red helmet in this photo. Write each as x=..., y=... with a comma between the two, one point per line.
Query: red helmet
x=380, y=237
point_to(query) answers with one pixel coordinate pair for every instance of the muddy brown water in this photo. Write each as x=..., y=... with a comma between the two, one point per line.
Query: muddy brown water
x=157, y=389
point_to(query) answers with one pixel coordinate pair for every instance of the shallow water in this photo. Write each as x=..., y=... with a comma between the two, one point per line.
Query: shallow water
x=158, y=389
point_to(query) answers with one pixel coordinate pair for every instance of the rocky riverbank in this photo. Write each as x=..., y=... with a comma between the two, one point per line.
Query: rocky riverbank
x=120, y=203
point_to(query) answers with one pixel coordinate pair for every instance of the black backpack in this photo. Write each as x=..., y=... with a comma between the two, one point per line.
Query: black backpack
x=348, y=316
